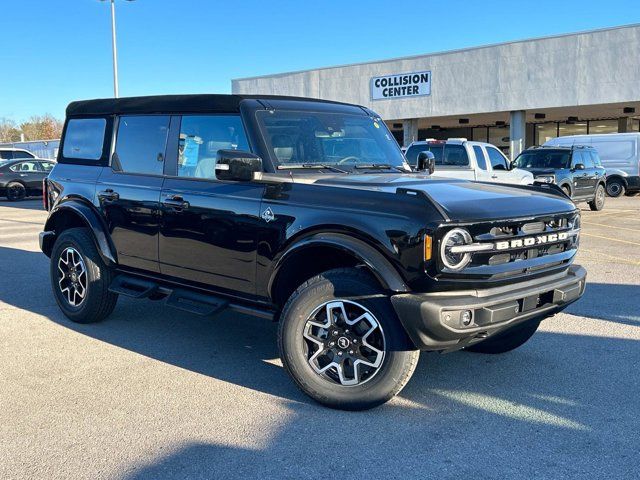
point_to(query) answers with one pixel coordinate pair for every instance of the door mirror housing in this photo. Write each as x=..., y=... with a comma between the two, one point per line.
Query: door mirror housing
x=237, y=165
x=578, y=166
x=426, y=162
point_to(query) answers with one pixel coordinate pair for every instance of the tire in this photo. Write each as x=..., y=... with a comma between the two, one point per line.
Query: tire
x=597, y=203
x=90, y=300
x=615, y=187
x=566, y=190
x=393, y=352
x=16, y=191
x=507, y=341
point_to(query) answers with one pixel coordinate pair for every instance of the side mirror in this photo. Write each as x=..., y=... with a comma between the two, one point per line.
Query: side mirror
x=578, y=166
x=237, y=165
x=426, y=162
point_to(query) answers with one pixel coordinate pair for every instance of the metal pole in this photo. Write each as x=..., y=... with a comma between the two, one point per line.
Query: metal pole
x=114, y=49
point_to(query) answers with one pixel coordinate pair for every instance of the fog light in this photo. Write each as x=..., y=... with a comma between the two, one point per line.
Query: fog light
x=466, y=317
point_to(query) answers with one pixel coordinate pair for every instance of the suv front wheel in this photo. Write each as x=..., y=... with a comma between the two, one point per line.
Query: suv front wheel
x=342, y=343
x=79, y=278
x=597, y=203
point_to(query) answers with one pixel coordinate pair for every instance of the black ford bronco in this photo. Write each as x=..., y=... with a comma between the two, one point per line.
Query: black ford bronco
x=306, y=212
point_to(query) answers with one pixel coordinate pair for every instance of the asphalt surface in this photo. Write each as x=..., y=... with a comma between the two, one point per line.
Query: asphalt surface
x=155, y=393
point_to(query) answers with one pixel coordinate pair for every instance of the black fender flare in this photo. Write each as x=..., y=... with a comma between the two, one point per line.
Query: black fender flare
x=380, y=266
x=568, y=184
x=90, y=218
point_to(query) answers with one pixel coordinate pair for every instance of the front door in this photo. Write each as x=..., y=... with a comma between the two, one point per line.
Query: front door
x=499, y=166
x=128, y=191
x=581, y=181
x=209, y=227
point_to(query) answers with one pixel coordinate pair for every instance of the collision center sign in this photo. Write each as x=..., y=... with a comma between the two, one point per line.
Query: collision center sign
x=401, y=85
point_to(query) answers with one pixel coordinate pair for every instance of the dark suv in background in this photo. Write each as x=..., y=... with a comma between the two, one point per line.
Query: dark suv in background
x=577, y=170
x=21, y=178
x=306, y=212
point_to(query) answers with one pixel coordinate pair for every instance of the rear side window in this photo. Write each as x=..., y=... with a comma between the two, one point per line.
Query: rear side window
x=480, y=158
x=22, y=154
x=596, y=159
x=446, y=155
x=6, y=154
x=84, y=138
x=141, y=143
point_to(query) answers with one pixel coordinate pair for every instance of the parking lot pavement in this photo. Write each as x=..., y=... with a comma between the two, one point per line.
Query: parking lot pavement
x=155, y=393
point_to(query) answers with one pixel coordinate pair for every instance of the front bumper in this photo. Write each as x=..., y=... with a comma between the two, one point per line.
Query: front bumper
x=434, y=321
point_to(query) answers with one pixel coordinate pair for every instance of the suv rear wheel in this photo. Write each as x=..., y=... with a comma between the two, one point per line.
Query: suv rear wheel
x=79, y=278
x=507, y=341
x=597, y=203
x=342, y=343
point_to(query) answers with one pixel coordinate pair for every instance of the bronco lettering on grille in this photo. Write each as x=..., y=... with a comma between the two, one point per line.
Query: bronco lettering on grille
x=532, y=241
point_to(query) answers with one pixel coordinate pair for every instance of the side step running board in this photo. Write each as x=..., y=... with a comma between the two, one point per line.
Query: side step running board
x=197, y=303
x=180, y=298
x=132, y=287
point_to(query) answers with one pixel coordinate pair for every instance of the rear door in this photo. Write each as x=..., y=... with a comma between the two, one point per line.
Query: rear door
x=128, y=191
x=209, y=226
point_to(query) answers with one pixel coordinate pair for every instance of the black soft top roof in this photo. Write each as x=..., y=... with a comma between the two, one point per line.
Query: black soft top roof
x=182, y=104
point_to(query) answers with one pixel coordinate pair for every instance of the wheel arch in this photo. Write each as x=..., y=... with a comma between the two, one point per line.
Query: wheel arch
x=329, y=251
x=75, y=213
x=615, y=176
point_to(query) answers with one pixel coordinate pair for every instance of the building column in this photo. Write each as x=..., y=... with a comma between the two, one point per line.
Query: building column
x=409, y=131
x=625, y=124
x=517, y=132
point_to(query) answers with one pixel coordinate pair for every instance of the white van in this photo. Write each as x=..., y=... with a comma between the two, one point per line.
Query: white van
x=460, y=158
x=620, y=155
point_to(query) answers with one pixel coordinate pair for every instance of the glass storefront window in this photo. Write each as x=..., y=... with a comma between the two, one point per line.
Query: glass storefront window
x=603, y=126
x=545, y=132
x=578, y=128
x=636, y=125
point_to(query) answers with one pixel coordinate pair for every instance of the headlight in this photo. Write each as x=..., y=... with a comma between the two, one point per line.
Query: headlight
x=546, y=178
x=455, y=238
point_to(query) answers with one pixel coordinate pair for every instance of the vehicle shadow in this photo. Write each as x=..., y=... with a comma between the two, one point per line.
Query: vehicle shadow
x=30, y=203
x=521, y=414
x=611, y=302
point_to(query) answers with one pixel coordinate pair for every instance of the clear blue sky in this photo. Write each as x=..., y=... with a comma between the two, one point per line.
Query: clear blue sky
x=63, y=48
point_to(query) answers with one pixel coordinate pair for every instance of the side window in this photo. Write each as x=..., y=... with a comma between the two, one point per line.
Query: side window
x=22, y=154
x=455, y=156
x=140, y=144
x=588, y=159
x=577, y=158
x=26, y=167
x=201, y=136
x=480, y=158
x=46, y=166
x=84, y=138
x=6, y=154
x=498, y=161
x=596, y=159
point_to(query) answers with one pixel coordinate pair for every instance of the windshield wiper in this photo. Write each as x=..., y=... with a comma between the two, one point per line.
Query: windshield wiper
x=311, y=166
x=382, y=166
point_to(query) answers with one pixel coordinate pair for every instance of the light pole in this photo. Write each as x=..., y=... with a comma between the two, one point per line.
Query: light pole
x=114, y=47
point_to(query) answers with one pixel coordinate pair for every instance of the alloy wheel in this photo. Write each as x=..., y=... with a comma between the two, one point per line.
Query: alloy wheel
x=72, y=276
x=344, y=342
x=600, y=197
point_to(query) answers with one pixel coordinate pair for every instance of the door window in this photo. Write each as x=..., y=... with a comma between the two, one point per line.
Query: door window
x=25, y=167
x=141, y=144
x=46, y=166
x=480, y=158
x=201, y=137
x=498, y=161
x=587, y=160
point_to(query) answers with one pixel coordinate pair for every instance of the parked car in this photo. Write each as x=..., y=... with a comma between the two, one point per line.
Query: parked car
x=460, y=158
x=14, y=153
x=620, y=156
x=306, y=212
x=576, y=170
x=21, y=178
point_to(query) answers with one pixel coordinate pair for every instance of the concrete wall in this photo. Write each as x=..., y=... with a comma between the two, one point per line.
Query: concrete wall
x=588, y=68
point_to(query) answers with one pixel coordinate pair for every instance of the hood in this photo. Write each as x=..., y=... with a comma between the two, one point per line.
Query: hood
x=462, y=200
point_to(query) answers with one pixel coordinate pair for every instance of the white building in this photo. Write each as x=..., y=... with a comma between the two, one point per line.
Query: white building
x=512, y=94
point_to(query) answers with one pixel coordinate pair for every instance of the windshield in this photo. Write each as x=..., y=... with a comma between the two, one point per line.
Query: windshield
x=554, y=159
x=449, y=155
x=347, y=141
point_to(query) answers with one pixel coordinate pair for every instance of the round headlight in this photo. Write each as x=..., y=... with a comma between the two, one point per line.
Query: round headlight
x=454, y=238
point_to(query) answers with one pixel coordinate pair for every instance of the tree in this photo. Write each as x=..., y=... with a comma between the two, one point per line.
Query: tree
x=8, y=131
x=45, y=127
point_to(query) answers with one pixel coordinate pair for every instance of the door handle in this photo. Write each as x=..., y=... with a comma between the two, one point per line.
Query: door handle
x=23, y=174
x=494, y=176
x=108, y=195
x=176, y=202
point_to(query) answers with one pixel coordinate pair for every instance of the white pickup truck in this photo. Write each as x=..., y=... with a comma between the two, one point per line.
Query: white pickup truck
x=460, y=158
